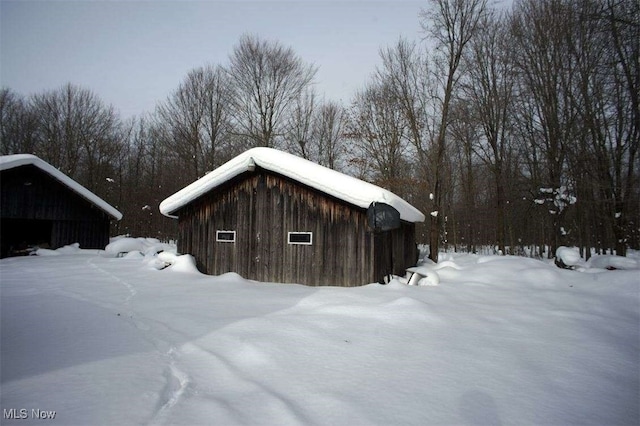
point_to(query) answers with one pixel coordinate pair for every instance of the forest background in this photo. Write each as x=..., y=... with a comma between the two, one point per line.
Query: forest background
x=516, y=129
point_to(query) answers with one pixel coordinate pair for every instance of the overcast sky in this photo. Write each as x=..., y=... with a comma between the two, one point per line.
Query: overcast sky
x=134, y=53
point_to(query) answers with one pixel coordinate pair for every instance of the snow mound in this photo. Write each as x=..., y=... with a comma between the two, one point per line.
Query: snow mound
x=69, y=249
x=424, y=275
x=185, y=263
x=121, y=245
x=429, y=273
x=134, y=255
x=176, y=263
x=45, y=252
x=569, y=256
x=613, y=262
x=433, y=279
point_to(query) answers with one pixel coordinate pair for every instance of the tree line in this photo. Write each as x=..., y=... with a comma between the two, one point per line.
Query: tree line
x=514, y=128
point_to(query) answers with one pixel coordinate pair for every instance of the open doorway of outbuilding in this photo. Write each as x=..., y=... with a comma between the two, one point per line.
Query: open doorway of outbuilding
x=19, y=236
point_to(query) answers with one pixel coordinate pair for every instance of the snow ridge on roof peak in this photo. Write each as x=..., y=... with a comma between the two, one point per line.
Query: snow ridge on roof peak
x=344, y=187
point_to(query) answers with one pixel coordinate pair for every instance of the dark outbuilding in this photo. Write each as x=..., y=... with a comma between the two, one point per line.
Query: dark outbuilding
x=271, y=216
x=43, y=207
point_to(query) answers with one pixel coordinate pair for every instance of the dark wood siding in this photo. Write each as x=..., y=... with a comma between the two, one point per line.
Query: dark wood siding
x=262, y=208
x=31, y=198
x=396, y=250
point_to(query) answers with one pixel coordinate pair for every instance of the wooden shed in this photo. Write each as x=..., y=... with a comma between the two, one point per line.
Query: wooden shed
x=41, y=206
x=271, y=216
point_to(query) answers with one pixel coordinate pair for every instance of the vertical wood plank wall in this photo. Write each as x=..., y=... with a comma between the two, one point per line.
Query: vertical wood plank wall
x=262, y=208
x=29, y=194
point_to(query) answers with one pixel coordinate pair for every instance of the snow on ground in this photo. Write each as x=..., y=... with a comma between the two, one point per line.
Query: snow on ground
x=498, y=340
x=570, y=256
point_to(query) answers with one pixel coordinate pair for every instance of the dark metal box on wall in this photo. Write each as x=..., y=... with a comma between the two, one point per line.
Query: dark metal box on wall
x=383, y=217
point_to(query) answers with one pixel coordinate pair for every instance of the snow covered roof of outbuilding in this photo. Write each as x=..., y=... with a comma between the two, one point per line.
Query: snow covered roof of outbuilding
x=344, y=187
x=11, y=161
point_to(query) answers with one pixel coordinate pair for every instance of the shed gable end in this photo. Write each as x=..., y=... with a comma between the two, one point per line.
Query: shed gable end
x=262, y=209
x=37, y=209
x=29, y=193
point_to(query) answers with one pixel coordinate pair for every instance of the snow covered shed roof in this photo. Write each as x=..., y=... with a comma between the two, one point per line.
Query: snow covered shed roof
x=346, y=188
x=11, y=161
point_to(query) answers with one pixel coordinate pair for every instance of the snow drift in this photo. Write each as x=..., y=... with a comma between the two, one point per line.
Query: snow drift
x=499, y=340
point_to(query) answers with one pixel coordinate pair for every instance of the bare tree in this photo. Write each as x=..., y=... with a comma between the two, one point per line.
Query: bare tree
x=378, y=129
x=540, y=30
x=17, y=124
x=465, y=130
x=145, y=176
x=451, y=24
x=330, y=125
x=623, y=21
x=489, y=91
x=267, y=80
x=604, y=47
x=300, y=130
x=406, y=71
x=194, y=120
x=578, y=112
x=76, y=132
x=315, y=130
